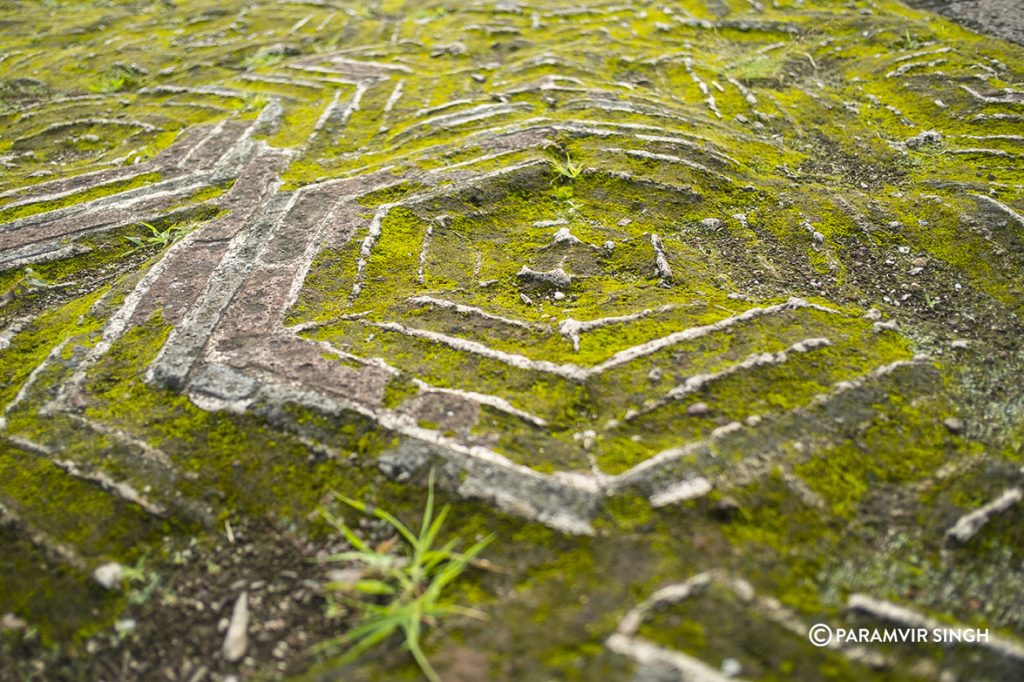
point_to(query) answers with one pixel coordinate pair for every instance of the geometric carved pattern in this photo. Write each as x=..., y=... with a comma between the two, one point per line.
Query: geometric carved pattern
x=412, y=257
x=571, y=254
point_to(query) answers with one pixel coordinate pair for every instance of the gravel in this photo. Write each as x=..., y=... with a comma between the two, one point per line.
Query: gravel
x=1002, y=18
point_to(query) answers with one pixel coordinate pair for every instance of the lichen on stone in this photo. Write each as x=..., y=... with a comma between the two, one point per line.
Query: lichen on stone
x=710, y=311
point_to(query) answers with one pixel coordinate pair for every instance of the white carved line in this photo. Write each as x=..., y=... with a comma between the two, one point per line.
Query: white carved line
x=120, y=201
x=669, y=158
x=381, y=66
x=56, y=551
x=372, y=235
x=630, y=354
x=572, y=329
x=280, y=80
x=968, y=525
x=915, y=55
x=148, y=452
x=1012, y=98
x=679, y=452
x=470, y=310
x=479, y=113
x=688, y=489
x=571, y=372
x=494, y=401
x=689, y=669
x=35, y=199
x=118, y=488
x=626, y=640
x=424, y=252
x=353, y=104
x=31, y=379
x=688, y=144
x=981, y=151
x=894, y=613
x=698, y=382
x=575, y=372
x=326, y=114
x=1002, y=207
x=396, y=95
x=664, y=270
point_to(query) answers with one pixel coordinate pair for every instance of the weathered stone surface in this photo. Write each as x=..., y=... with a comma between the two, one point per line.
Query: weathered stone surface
x=713, y=289
x=998, y=17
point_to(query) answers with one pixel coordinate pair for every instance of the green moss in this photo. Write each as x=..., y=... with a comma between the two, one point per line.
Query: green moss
x=628, y=513
x=937, y=225
x=64, y=604
x=79, y=514
x=12, y=213
x=390, y=193
x=834, y=209
x=219, y=446
x=903, y=443
x=206, y=194
x=31, y=346
x=789, y=541
x=764, y=649
x=398, y=390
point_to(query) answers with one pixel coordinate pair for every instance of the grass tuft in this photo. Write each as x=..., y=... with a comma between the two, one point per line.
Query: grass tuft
x=157, y=237
x=401, y=591
x=568, y=170
x=118, y=79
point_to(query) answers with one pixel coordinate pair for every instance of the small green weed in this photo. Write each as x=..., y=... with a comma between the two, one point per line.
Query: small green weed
x=405, y=588
x=254, y=102
x=29, y=282
x=33, y=280
x=143, y=582
x=118, y=79
x=426, y=15
x=157, y=237
x=910, y=42
x=261, y=59
x=568, y=170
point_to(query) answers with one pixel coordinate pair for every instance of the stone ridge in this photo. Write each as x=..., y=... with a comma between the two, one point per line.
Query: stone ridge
x=573, y=256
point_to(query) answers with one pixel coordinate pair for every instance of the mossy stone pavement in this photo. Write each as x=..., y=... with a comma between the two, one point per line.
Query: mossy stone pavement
x=709, y=309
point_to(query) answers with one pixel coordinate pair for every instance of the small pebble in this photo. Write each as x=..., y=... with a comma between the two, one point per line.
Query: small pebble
x=698, y=410
x=236, y=641
x=109, y=575
x=731, y=667
x=12, y=622
x=725, y=508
